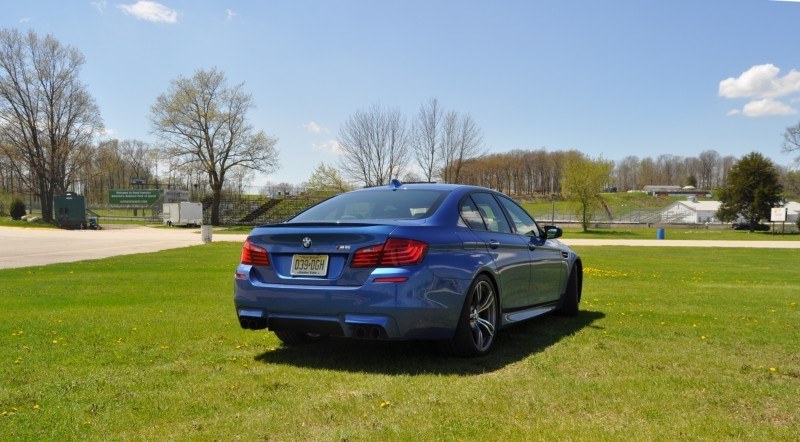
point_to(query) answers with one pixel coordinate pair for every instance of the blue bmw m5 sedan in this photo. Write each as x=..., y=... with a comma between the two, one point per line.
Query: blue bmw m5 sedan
x=443, y=262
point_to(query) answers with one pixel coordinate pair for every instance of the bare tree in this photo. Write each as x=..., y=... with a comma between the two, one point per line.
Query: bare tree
x=426, y=140
x=47, y=117
x=450, y=130
x=627, y=173
x=462, y=139
x=709, y=161
x=470, y=144
x=203, y=120
x=137, y=153
x=375, y=146
x=239, y=179
x=791, y=140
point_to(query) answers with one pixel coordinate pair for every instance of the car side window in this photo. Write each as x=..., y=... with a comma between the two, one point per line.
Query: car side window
x=523, y=222
x=471, y=215
x=492, y=214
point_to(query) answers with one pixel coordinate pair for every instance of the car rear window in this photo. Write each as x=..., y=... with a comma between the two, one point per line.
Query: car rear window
x=378, y=204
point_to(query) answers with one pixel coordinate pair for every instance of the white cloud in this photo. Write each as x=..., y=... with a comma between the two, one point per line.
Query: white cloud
x=787, y=1
x=733, y=112
x=150, y=11
x=315, y=128
x=330, y=146
x=100, y=5
x=24, y=19
x=761, y=81
x=767, y=107
x=229, y=14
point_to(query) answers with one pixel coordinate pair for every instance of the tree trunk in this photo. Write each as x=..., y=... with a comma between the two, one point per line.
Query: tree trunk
x=216, y=198
x=584, y=224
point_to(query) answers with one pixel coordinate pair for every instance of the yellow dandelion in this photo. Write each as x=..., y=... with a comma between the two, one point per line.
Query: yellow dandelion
x=55, y=341
x=703, y=338
x=36, y=407
x=773, y=369
x=385, y=404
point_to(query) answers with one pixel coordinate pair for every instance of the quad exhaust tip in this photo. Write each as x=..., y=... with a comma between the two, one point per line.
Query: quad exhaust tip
x=368, y=332
x=252, y=323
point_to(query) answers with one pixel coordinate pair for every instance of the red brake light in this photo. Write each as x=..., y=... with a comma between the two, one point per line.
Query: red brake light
x=368, y=256
x=254, y=255
x=403, y=252
x=394, y=253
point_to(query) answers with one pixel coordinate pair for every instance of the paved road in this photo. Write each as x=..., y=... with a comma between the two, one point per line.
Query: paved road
x=21, y=247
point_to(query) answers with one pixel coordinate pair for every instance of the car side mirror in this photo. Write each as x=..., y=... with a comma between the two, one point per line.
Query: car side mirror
x=553, y=232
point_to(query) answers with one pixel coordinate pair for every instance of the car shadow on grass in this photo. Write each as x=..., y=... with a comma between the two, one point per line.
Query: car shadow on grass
x=422, y=357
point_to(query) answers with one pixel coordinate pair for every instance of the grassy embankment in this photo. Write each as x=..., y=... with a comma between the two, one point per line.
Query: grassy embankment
x=670, y=344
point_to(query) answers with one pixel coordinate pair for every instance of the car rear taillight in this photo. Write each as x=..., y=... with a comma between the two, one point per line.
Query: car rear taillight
x=395, y=252
x=403, y=252
x=254, y=255
x=367, y=256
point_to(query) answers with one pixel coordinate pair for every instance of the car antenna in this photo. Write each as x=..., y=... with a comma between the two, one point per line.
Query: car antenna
x=395, y=184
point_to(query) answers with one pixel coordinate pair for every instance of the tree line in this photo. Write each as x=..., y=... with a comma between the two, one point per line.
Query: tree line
x=50, y=124
x=50, y=130
x=379, y=144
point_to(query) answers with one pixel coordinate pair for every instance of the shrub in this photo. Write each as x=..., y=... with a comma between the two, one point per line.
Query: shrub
x=17, y=209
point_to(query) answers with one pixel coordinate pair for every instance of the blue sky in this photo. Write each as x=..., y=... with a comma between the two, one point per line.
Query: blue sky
x=611, y=78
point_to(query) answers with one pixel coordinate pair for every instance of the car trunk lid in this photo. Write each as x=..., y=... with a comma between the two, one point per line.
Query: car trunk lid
x=296, y=250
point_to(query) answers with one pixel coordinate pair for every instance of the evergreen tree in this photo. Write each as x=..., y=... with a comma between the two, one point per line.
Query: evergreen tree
x=753, y=188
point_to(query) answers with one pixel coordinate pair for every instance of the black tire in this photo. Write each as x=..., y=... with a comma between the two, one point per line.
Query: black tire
x=477, y=326
x=297, y=338
x=572, y=296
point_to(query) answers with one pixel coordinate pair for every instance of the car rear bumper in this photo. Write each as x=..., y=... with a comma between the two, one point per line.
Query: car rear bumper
x=422, y=307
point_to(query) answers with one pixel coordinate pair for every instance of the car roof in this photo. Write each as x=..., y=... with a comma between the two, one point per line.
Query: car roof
x=427, y=186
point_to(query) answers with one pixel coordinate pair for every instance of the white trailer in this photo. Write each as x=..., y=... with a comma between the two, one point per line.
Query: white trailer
x=183, y=214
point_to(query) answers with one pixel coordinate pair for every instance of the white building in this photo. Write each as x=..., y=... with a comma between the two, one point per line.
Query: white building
x=792, y=211
x=691, y=212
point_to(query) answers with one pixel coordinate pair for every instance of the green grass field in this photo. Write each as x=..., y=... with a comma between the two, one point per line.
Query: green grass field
x=679, y=233
x=670, y=344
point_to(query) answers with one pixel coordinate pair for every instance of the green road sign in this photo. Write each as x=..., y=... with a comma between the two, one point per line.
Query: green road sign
x=133, y=197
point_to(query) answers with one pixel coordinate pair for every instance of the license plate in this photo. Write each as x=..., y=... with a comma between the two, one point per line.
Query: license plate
x=309, y=265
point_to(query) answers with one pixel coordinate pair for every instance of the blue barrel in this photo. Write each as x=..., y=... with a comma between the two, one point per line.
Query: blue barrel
x=660, y=234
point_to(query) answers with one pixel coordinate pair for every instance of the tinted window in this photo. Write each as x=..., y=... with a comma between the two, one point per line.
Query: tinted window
x=491, y=212
x=471, y=215
x=377, y=204
x=523, y=222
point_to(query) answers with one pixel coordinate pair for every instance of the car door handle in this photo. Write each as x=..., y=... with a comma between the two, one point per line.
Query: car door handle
x=494, y=244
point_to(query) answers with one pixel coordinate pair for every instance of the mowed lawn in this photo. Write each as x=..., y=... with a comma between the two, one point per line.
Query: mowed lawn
x=670, y=344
